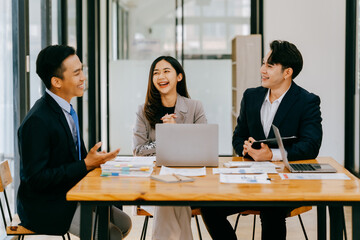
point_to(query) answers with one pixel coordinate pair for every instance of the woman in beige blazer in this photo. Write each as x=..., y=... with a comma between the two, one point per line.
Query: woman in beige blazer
x=167, y=101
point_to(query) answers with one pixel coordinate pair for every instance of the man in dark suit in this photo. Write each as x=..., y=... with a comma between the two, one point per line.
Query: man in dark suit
x=295, y=111
x=53, y=157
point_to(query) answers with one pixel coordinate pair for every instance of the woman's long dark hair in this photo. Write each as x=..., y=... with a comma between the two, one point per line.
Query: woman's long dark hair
x=153, y=98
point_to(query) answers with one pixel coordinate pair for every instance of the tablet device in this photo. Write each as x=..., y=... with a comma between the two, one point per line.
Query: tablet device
x=272, y=143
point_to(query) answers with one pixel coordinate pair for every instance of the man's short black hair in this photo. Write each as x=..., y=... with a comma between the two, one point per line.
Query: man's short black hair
x=286, y=54
x=49, y=60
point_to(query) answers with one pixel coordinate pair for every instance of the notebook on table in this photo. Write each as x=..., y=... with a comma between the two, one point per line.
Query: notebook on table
x=187, y=145
x=301, y=167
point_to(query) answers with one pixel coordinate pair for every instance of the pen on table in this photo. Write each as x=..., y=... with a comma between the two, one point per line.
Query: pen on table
x=270, y=179
x=177, y=177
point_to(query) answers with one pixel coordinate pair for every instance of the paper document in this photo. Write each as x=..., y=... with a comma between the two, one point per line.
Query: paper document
x=135, y=159
x=190, y=172
x=234, y=178
x=314, y=176
x=244, y=170
x=249, y=164
x=114, y=164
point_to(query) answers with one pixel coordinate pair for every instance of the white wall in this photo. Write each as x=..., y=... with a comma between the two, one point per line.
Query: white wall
x=317, y=28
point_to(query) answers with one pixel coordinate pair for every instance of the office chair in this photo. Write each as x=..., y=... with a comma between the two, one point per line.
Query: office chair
x=294, y=212
x=14, y=228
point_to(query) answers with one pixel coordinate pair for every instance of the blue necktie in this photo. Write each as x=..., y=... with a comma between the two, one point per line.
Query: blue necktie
x=76, y=121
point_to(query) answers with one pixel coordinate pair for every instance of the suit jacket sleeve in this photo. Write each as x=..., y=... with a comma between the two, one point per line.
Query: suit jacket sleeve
x=309, y=132
x=241, y=132
x=199, y=116
x=142, y=144
x=36, y=144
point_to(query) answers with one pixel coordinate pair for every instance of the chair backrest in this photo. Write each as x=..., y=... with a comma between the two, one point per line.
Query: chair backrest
x=5, y=175
x=5, y=180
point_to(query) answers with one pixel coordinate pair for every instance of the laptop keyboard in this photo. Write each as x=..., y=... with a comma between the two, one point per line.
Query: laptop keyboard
x=302, y=167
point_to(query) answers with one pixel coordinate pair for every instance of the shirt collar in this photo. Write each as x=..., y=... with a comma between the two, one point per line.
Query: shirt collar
x=62, y=102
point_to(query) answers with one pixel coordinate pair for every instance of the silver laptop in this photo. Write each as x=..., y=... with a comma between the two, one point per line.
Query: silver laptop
x=187, y=145
x=301, y=167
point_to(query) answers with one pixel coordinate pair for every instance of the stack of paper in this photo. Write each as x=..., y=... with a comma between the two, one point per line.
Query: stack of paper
x=148, y=160
x=250, y=164
x=134, y=167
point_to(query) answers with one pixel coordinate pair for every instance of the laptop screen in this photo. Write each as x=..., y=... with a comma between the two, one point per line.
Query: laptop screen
x=281, y=146
x=187, y=145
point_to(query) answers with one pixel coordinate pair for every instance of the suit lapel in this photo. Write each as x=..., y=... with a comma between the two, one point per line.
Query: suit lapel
x=60, y=114
x=258, y=102
x=180, y=109
x=288, y=101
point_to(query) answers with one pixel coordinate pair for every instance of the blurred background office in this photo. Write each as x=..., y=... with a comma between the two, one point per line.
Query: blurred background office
x=118, y=39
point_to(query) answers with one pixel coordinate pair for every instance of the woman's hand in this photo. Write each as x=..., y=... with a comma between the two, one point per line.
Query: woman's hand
x=169, y=118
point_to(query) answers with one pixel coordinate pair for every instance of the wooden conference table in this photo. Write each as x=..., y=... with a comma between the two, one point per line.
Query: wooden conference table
x=102, y=192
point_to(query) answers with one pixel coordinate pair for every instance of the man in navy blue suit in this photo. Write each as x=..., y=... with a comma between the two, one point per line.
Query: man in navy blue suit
x=53, y=157
x=295, y=111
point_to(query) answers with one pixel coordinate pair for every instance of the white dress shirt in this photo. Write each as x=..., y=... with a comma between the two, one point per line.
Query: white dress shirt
x=65, y=106
x=267, y=114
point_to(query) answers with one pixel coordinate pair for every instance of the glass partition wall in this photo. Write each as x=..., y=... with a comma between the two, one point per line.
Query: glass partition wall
x=35, y=35
x=197, y=32
x=140, y=32
x=6, y=89
x=209, y=27
x=357, y=93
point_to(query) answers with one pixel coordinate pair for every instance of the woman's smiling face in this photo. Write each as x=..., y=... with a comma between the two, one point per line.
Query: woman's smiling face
x=165, y=78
